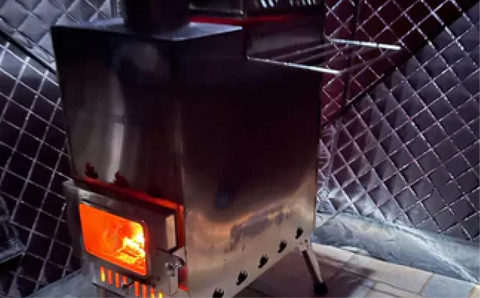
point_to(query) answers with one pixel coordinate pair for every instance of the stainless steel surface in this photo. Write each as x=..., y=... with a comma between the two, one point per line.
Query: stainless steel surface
x=254, y=8
x=155, y=15
x=124, y=105
x=187, y=117
x=267, y=39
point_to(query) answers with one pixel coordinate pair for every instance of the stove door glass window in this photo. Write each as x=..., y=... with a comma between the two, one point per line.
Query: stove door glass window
x=114, y=239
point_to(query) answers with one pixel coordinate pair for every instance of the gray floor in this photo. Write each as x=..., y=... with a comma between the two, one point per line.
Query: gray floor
x=347, y=275
x=72, y=286
x=402, y=245
x=351, y=275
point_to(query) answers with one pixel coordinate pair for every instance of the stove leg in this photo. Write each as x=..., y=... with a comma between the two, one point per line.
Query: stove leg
x=319, y=286
x=101, y=293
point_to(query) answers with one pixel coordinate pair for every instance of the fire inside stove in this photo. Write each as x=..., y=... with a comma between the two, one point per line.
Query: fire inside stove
x=115, y=239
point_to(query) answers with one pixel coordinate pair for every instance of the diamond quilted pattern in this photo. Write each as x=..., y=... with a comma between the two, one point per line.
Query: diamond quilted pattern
x=407, y=151
x=29, y=21
x=32, y=166
x=409, y=23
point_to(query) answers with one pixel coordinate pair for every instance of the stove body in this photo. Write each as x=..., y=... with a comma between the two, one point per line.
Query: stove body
x=212, y=154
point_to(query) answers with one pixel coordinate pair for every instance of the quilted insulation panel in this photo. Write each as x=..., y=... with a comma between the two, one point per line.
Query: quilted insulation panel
x=407, y=152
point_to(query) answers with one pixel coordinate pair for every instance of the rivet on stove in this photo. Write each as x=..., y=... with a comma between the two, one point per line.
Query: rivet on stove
x=125, y=284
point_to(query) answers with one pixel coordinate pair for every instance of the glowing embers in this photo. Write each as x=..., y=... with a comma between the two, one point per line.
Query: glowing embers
x=115, y=239
x=117, y=282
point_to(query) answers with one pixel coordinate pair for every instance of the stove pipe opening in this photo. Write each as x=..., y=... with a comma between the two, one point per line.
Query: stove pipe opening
x=155, y=16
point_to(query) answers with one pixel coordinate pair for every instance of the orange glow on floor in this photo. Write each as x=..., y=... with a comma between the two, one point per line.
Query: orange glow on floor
x=114, y=239
x=160, y=295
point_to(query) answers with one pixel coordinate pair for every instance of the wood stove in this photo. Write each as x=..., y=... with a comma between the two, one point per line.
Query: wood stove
x=193, y=163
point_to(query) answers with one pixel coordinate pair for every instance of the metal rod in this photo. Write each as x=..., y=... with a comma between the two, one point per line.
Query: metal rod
x=353, y=34
x=366, y=63
x=295, y=65
x=306, y=60
x=321, y=68
x=383, y=46
x=304, y=51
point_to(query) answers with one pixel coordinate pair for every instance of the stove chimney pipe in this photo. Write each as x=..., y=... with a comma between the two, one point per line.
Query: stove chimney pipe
x=155, y=16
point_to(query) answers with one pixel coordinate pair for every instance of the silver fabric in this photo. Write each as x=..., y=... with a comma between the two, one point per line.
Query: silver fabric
x=407, y=152
x=402, y=245
x=28, y=21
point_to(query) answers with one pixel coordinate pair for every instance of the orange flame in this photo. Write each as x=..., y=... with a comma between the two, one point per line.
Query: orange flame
x=115, y=239
x=133, y=248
